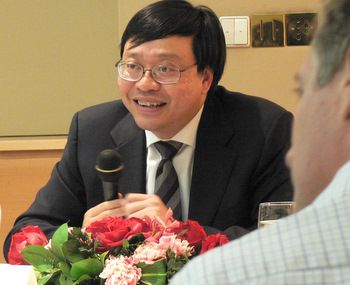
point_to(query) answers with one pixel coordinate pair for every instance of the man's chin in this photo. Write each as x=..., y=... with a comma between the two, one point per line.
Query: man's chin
x=151, y=127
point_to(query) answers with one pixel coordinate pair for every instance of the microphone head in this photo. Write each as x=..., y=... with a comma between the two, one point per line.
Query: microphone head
x=109, y=165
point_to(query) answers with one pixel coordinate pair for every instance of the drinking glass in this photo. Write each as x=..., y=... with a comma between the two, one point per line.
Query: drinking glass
x=270, y=212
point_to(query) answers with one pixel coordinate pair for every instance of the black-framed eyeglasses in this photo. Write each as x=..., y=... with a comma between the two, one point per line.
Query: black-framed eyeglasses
x=162, y=73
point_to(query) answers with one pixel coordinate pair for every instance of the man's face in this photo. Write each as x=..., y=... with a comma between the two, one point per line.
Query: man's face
x=164, y=109
x=318, y=133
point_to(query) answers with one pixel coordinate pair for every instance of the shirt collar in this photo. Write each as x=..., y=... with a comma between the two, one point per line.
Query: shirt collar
x=186, y=136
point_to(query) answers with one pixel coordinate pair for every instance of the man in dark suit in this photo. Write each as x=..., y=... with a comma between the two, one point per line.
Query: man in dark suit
x=232, y=157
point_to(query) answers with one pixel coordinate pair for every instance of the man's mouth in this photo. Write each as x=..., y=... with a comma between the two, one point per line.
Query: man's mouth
x=149, y=104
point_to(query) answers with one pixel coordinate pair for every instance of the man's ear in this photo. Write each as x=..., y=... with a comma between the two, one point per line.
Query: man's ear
x=207, y=79
x=346, y=85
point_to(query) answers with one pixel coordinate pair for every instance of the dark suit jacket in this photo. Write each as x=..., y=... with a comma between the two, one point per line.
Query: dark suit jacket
x=238, y=163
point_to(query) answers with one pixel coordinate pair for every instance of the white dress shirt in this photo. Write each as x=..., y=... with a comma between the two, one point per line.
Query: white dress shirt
x=182, y=161
x=309, y=247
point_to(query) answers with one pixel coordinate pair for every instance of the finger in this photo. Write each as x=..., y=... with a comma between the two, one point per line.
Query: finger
x=150, y=212
x=142, y=213
x=135, y=206
x=133, y=197
x=104, y=206
x=115, y=212
x=153, y=202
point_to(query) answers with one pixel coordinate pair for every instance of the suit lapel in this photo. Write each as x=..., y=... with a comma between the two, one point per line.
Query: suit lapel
x=213, y=163
x=131, y=145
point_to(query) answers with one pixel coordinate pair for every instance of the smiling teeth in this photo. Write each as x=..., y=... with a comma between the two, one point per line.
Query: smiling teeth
x=149, y=104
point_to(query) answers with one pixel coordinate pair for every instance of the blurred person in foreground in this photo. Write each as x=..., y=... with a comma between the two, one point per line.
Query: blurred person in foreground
x=172, y=56
x=311, y=246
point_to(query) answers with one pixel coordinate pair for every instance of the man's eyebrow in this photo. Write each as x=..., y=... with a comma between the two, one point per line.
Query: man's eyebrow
x=163, y=55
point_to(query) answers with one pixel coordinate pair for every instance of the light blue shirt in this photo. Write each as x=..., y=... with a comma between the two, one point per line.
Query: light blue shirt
x=309, y=247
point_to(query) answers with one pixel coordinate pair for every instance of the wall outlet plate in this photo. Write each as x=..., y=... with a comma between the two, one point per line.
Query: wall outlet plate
x=267, y=30
x=236, y=30
x=300, y=28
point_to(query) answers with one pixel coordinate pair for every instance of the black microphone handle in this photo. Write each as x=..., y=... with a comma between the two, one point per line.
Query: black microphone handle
x=110, y=190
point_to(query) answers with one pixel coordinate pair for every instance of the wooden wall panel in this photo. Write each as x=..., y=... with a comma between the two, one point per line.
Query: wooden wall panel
x=22, y=173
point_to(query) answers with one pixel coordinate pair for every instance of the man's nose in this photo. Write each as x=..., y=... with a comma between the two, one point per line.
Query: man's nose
x=147, y=82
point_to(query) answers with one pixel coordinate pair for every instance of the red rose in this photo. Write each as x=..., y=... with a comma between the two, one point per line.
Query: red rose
x=212, y=241
x=191, y=231
x=111, y=231
x=195, y=232
x=29, y=235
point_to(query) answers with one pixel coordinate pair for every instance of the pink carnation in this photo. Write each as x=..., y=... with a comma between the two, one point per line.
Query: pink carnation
x=120, y=271
x=176, y=245
x=149, y=253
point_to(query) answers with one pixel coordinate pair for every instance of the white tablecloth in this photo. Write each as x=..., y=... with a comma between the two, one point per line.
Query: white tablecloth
x=17, y=275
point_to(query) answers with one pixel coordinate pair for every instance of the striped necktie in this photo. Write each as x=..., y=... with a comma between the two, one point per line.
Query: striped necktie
x=166, y=183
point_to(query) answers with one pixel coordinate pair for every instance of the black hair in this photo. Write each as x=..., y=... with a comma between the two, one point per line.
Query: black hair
x=178, y=17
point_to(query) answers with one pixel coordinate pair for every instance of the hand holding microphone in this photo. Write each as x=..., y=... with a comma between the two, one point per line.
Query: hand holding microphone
x=109, y=167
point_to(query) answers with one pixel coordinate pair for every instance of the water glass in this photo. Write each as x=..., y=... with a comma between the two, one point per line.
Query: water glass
x=270, y=212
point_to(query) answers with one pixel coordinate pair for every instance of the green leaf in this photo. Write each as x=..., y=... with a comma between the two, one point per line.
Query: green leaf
x=44, y=278
x=103, y=257
x=65, y=280
x=39, y=257
x=58, y=239
x=159, y=266
x=89, y=266
x=64, y=268
x=71, y=251
x=154, y=274
x=175, y=263
x=84, y=277
x=125, y=244
x=76, y=232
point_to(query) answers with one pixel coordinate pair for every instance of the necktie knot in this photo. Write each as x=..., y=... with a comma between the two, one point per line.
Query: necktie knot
x=168, y=149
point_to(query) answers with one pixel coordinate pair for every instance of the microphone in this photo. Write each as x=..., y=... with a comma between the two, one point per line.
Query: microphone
x=109, y=167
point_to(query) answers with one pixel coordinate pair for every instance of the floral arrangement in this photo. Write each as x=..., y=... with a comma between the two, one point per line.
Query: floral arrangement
x=112, y=251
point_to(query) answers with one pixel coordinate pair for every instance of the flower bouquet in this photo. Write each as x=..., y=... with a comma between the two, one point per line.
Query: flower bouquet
x=112, y=251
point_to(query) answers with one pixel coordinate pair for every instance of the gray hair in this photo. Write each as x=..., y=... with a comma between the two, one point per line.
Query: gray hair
x=332, y=39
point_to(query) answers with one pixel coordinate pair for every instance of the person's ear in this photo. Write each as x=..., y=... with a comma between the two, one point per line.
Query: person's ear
x=346, y=84
x=207, y=79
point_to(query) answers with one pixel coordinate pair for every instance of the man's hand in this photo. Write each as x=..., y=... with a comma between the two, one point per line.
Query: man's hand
x=133, y=205
x=113, y=208
x=140, y=205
